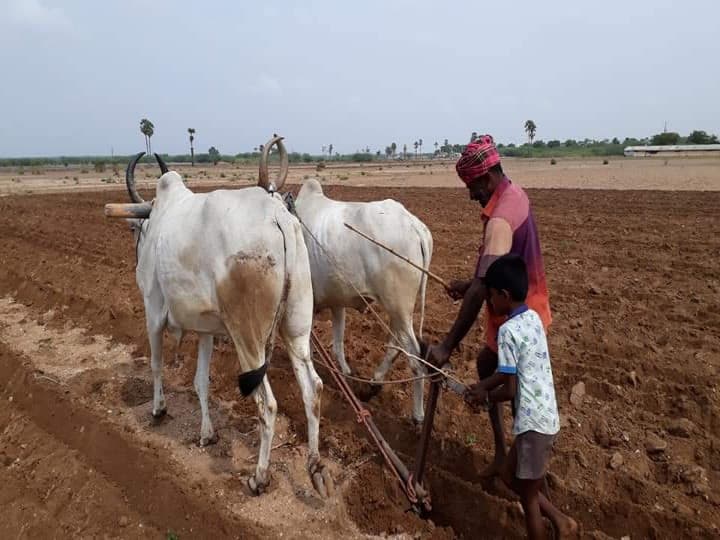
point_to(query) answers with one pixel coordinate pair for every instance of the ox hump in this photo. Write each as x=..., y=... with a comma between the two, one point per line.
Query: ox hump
x=312, y=187
x=169, y=181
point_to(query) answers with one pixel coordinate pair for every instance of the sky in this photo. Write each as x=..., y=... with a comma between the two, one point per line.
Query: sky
x=76, y=76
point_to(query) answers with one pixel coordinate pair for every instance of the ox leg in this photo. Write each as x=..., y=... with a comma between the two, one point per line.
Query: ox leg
x=267, y=408
x=418, y=388
x=408, y=343
x=202, y=382
x=178, y=335
x=383, y=368
x=338, y=324
x=311, y=388
x=387, y=363
x=156, y=361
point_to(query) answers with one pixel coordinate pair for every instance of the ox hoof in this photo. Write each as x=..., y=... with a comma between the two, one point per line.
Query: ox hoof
x=344, y=367
x=321, y=479
x=207, y=441
x=375, y=389
x=158, y=415
x=324, y=483
x=319, y=485
x=255, y=486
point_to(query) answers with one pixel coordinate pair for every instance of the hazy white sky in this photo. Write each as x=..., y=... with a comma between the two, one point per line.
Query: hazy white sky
x=77, y=75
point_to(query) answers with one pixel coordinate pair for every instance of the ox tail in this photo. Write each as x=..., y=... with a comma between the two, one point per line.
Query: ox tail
x=426, y=248
x=250, y=380
x=290, y=250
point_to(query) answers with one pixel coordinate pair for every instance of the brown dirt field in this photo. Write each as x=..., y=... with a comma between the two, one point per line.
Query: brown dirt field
x=675, y=173
x=636, y=301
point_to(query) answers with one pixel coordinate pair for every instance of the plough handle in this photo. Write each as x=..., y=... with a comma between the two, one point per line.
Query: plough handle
x=426, y=431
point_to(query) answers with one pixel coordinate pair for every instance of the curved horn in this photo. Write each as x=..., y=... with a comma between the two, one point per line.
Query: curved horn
x=161, y=163
x=130, y=179
x=263, y=176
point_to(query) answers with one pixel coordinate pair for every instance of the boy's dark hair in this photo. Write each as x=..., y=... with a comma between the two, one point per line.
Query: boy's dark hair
x=497, y=168
x=509, y=273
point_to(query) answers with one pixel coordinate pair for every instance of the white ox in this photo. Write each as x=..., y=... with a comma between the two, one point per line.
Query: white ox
x=344, y=264
x=229, y=263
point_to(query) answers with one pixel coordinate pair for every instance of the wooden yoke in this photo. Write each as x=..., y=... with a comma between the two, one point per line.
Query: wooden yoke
x=128, y=210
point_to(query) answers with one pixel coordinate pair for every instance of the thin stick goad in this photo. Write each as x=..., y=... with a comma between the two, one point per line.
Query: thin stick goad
x=428, y=273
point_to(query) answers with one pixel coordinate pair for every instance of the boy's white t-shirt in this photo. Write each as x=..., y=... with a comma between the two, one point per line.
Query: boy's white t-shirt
x=523, y=351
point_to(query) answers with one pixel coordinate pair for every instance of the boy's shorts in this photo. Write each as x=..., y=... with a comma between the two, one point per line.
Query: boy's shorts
x=533, y=454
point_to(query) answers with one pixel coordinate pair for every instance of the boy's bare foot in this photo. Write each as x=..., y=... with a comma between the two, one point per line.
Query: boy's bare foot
x=568, y=529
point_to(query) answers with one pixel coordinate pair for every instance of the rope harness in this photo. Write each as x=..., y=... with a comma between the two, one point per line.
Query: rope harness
x=141, y=233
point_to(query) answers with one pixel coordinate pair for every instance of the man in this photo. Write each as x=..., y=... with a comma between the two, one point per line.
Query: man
x=509, y=227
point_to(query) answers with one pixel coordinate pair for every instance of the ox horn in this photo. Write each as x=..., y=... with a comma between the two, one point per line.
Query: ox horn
x=130, y=179
x=161, y=163
x=264, y=177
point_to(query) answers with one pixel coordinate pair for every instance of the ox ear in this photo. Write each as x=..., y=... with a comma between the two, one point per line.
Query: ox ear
x=250, y=380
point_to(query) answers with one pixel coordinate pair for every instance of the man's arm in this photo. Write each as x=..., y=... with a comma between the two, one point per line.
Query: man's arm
x=471, y=304
x=498, y=241
x=458, y=288
x=469, y=310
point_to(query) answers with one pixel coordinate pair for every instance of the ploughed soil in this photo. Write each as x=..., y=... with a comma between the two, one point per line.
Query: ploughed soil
x=635, y=292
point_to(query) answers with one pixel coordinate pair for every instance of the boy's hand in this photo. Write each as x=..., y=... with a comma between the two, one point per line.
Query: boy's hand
x=477, y=397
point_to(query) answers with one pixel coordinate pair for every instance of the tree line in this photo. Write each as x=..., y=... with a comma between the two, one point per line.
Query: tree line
x=531, y=148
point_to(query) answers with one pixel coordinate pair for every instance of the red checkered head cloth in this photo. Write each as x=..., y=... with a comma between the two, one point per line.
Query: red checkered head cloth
x=477, y=159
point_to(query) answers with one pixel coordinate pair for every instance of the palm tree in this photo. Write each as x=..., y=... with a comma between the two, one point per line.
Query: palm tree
x=420, y=146
x=473, y=136
x=214, y=154
x=416, y=144
x=148, y=129
x=530, y=129
x=324, y=148
x=436, y=147
x=404, y=151
x=191, y=133
x=330, y=149
x=393, y=147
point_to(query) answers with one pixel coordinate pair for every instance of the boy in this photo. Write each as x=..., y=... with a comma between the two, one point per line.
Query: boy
x=523, y=375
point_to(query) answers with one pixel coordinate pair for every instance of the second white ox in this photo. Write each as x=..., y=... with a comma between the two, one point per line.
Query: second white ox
x=347, y=268
x=229, y=263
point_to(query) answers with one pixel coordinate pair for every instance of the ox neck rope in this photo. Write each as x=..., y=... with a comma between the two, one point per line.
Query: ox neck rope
x=290, y=204
x=137, y=242
x=143, y=223
x=141, y=233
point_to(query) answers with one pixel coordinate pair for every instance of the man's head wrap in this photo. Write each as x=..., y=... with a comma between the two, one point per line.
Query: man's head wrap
x=477, y=159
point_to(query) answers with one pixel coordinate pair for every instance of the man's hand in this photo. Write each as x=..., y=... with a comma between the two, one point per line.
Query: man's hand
x=476, y=396
x=457, y=288
x=438, y=355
